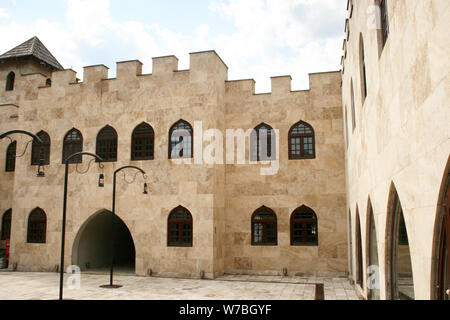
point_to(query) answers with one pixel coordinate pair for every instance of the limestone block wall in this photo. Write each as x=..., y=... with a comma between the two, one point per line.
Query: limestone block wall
x=317, y=183
x=402, y=132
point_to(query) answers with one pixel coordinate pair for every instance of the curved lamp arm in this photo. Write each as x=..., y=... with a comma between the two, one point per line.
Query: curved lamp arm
x=83, y=153
x=3, y=135
x=130, y=167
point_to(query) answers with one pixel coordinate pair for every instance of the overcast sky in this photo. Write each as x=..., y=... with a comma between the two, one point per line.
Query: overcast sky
x=255, y=38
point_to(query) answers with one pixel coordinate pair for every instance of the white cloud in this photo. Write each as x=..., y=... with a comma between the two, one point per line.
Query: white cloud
x=4, y=13
x=281, y=37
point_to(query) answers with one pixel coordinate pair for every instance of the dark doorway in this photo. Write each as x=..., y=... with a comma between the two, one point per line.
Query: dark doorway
x=443, y=229
x=92, y=249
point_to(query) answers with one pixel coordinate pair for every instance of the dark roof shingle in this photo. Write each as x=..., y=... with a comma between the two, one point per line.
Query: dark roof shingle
x=33, y=47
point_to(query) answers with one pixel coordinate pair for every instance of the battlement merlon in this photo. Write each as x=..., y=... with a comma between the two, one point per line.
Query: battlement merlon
x=281, y=84
x=95, y=73
x=207, y=65
x=164, y=65
x=126, y=69
x=63, y=77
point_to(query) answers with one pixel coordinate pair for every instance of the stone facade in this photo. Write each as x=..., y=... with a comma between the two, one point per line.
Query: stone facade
x=220, y=197
x=402, y=130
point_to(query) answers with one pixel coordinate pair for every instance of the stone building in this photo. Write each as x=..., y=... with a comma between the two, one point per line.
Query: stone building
x=354, y=181
x=395, y=100
x=200, y=219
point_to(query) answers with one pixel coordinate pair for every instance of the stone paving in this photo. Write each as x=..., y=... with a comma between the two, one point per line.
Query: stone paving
x=45, y=286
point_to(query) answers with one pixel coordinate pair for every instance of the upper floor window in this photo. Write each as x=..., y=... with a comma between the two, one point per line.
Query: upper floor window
x=107, y=144
x=142, y=142
x=304, y=227
x=301, y=141
x=11, y=157
x=181, y=140
x=362, y=67
x=37, y=226
x=10, y=81
x=264, y=227
x=179, y=225
x=41, y=151
x=384, y=22
x=48, y=82
x=262, y=143
x=6, y=225
x=73, y=143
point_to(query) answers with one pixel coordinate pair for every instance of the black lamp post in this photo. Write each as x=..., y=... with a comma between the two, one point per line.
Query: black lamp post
x=113, y=216
x=40, y=173
x=63, y=230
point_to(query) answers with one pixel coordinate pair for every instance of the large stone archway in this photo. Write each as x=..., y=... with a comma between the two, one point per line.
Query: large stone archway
x=92, y=248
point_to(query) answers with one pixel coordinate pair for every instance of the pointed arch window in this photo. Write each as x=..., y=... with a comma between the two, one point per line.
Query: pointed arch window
x=11, y=157
x=73, y=143
x=10, y=79
x=384, y=22
x=302, y=143
x=6, y=225
x=143, y=142
x=181, y=140
x=262, y=143
x=352, y=93
x=304, y=230
x=41, y=151
x=37, y=226
x=372, y=256
x=264, y=227
x=359, y=258
x=107, y=144
x=362, y=67
x=179, y=228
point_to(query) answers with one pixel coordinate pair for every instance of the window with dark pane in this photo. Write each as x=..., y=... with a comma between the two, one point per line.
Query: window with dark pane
x=384, y=21
x=142, y=146
x=73, y=143
x=41, y=151
x=304, y=227
x=179, y=227
x=10, y=79
x=37, y=226
x=11, y=157
x=262, y=143
x=6, y=225
x=264, y=227
x=402, y=233
x=107, y=144
x=181, y=142
x=301, y=141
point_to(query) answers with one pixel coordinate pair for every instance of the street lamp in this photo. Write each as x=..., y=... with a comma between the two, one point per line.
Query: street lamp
x=63, y=230
x=113, y=215
x=40, y=173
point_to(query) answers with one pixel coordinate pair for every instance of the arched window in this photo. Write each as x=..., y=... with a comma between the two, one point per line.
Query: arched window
x=262, y=143
x=107, y=144
x=11, y=157
x=359, y=258
x=179, y=228
x=350, y=245
x=73, y=143
x=346, y=126
x=304, y=231
x=37, y=226
x=362, y=67
x=10, y=81
x=142, y=142
x=41, y=151
x=399, y=267
x=264, y=227
x=302, y=141
x=442, y=240
x=372, y=257
x=384, y=22
x=48, y=82
x=6, y=225
x=181, y=140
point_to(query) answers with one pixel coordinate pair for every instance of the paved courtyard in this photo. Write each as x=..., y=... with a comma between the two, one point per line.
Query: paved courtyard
x=45, y=286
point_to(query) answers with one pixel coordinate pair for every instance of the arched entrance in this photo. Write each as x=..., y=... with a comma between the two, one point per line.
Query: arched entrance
x=92, y=248
x=400, y=275
x=372, y=256
x=442, y=241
